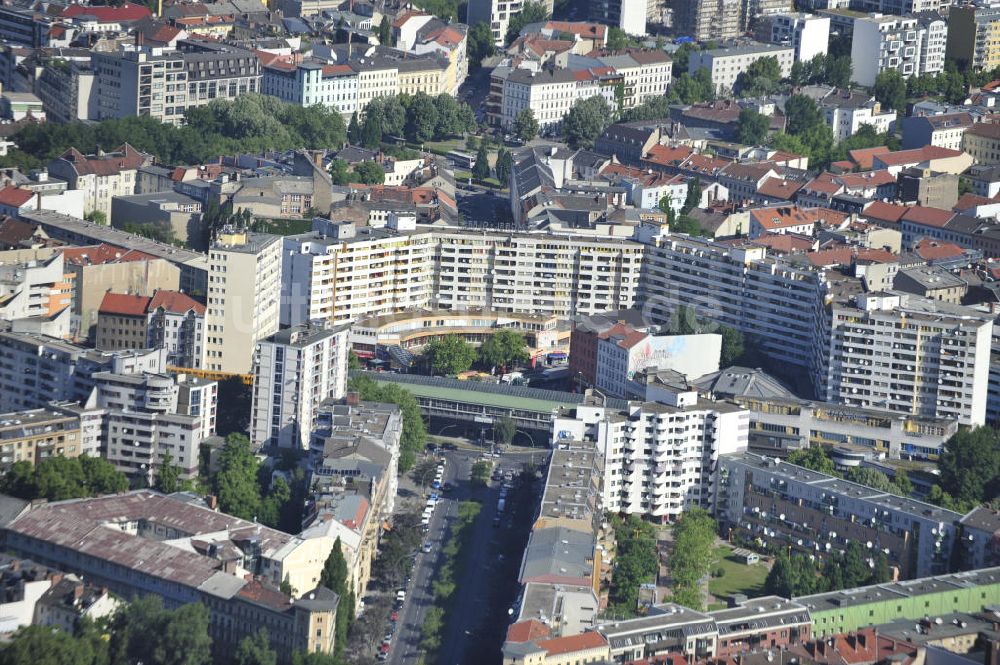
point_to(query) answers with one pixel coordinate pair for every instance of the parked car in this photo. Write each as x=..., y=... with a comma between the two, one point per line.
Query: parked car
x=427, y=547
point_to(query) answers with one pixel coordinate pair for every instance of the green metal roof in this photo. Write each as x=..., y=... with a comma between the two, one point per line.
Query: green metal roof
x=480, y=398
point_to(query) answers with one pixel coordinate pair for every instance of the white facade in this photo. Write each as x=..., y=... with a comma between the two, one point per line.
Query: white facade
x=244, y=294
x=621, y=355
x=807, y=34
x=726, y=64
x=908, y=45
x=659, y=458
x=899, y=352
x=294, y=371
x=548, y=94
x=332, y=86
x=845, y=121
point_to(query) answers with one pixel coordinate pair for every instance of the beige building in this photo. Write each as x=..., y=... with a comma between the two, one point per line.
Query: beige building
x=244, y=290
x=376, y=78
x=94, y=270
x=982, y=141
x=726, y=64
x=102, y=176
x=705, y=20
x=31, y=436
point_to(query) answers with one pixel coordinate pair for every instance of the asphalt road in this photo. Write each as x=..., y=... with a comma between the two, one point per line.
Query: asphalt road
x=406, y=643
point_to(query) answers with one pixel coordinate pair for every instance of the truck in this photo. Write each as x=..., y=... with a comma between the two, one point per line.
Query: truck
x=501, y=504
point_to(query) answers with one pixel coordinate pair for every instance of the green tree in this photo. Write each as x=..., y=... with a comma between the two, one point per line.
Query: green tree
x=385, y=32
x=271, y=506
x=752, y=127
x=236, y=482
x=525, y=126
x=340, y=172
x=168, y=479
x=505, y=429
x=531, y=12
x=393, y=116
x=504, y=167
x=480, y=44
x=877, y=480
x=44, y=645
x=256, y=650
x=354, y=129
x=693, y=198
x=371, y=129
x=480, y=474
x=792, y=576
x=414, y=434
x=144, y=632
x=801, y=113
x=636, y=562
x=504, y=348
x=422, y=119
x=691, y=555
x=970, y=465
x=368, y=173
x=760, y=78
x=617, y=39
x=449, y=355
x=890, y=90
x=814, y=458
x=481, y=170
x=585, y=121
x=733, y=346
x=838, y=71
x=334, y=577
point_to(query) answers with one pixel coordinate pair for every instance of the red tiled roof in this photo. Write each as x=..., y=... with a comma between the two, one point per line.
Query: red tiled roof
x=103, y=253
x=258, y=593
x=629, y=335
x=13, y=232
x=885, y=212
x=406, y=16
x=785, y=243
x=571, y=643
x=124, y=158
x=124, y=304
x=15, y=196
x=866, y=179
x=584, y=30
x=863, y=157
x=779, y=188
x=666, y=155
x=527, y=631
x=107, y=14
x=969, y=200
x=175, y=301
x=788, y=216
x=928, y=216
x=915, y=156
x=931, y=250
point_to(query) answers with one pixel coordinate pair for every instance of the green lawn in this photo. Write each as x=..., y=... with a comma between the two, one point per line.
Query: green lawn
x=739, y=577
x=288, y=227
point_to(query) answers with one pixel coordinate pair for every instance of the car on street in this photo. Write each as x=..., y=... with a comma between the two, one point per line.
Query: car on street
x=427, y=547
x=401, y=596
x=394, y=616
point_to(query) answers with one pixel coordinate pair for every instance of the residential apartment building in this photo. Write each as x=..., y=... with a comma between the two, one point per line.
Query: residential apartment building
x=36, y=288
x=294, y=371
x=102, y=176
x=974, y=34
x=497, y=15
x=903, y=353
x=624, y=353
x=244, y=295
x=775, y=301
x=779, y=424
x=910, y=45
x=142, y=423
x=705, y=20
x=236, y=576
x=846, y=111
x=312, y=82
x=134, y=82
x=355, y=449
x=628, y=15
x=548, y=94
x=169, y=320
x=37, y=434
x=944, y=131
x=340, y=273
x=982, y=142
x=647, y=74
x=36, y=370
x=214, y=71
x=726, y=64
x=791, y=507
x=807, y=34
x=67, y=91
x=658, y=456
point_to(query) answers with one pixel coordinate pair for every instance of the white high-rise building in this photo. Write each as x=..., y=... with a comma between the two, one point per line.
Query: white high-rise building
x=900, y=352
x=910, y=45
x=244, y=294
x=807, y=34
x=497, y=14
x=659, y=457
x=294, y=371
